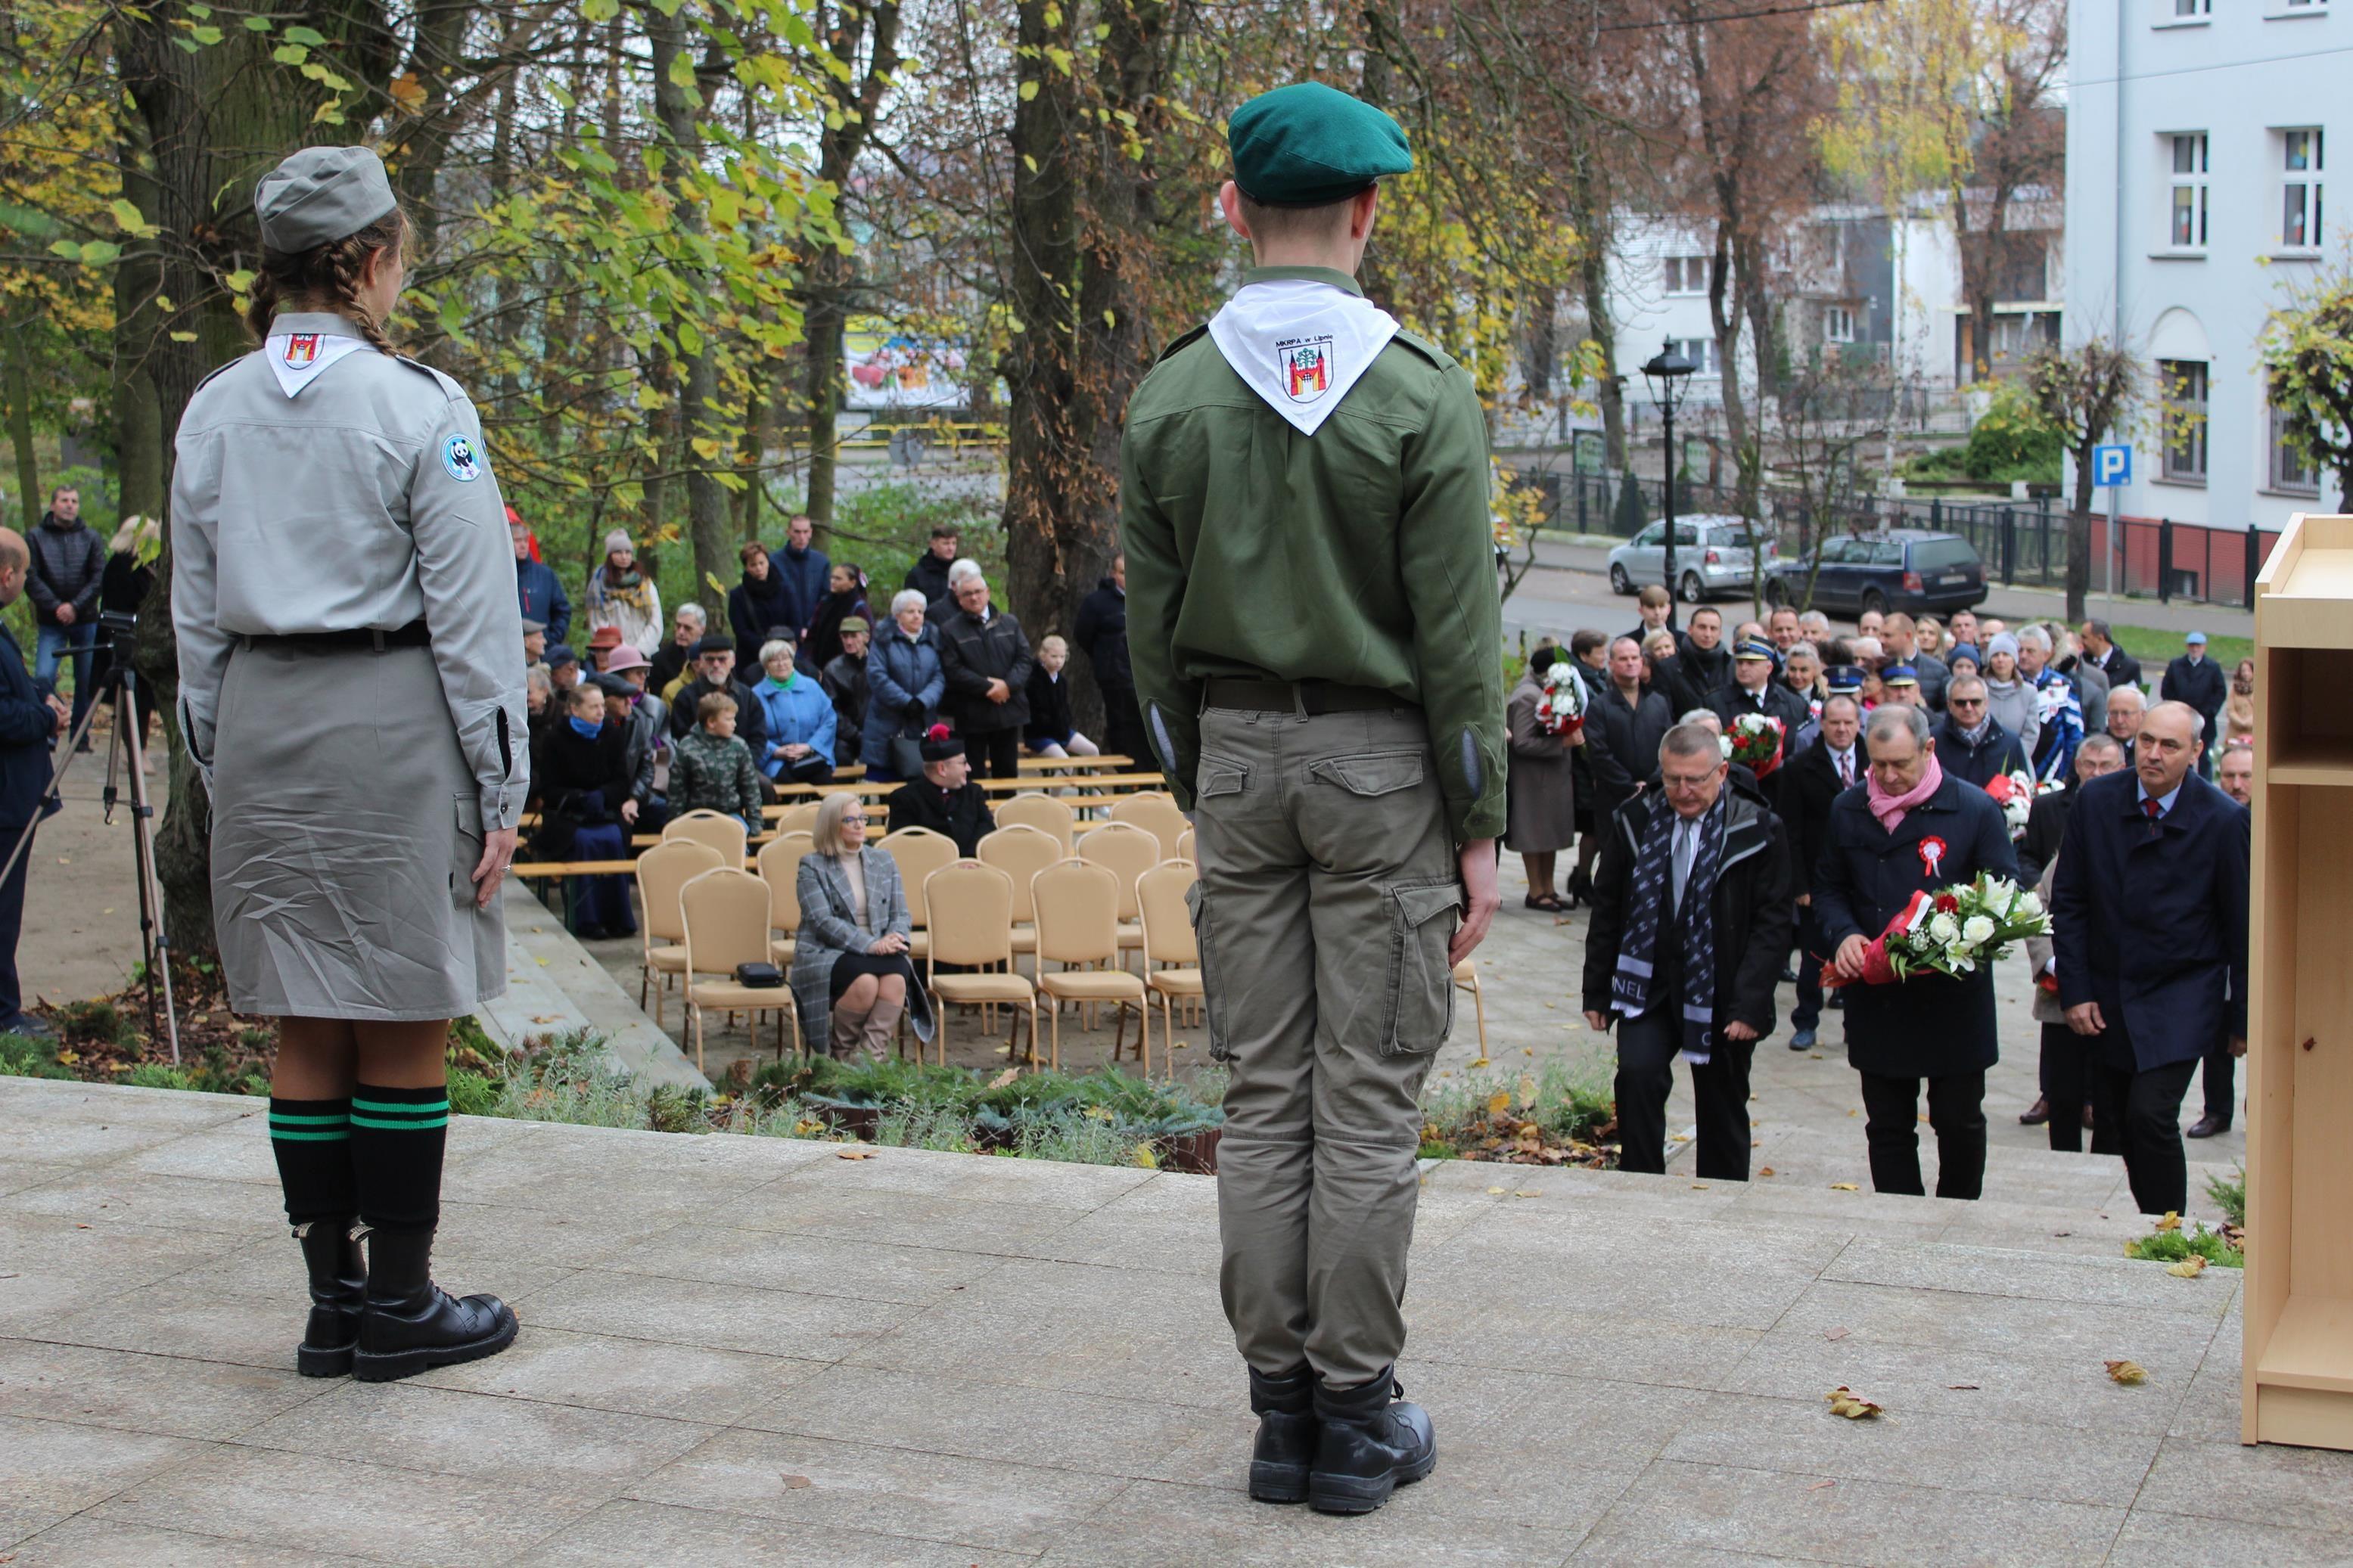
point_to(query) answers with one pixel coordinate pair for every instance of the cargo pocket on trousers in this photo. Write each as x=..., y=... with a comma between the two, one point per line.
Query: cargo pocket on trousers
x=1373, y=772
x=1420, y=1009
x=1212, y=1007
x=1218, y=776
x=465, y=850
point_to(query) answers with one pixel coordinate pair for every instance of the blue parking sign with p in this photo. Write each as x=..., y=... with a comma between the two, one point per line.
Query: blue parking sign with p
x=2111, y=466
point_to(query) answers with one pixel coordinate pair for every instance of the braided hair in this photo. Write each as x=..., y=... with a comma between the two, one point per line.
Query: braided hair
x=326, y=276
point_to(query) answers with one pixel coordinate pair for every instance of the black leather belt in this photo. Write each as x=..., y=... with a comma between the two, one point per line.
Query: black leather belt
x=1309, y=696
x=414, y=635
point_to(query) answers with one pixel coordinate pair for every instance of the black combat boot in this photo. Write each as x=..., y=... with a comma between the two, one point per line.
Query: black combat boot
x=412, y=1324
x=1366, y=1446
x=338, y=1291
x=1285, y=1408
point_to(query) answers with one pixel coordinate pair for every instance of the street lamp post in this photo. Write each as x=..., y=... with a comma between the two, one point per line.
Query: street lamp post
x=1669, y=374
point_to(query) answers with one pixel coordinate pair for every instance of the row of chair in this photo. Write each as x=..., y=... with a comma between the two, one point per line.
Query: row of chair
x=1157, y=813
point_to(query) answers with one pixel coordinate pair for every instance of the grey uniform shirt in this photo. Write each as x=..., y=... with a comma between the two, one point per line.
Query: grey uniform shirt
x=364, y=499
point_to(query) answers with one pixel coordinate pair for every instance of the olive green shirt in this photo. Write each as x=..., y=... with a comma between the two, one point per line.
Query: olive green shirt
x=1362, y=554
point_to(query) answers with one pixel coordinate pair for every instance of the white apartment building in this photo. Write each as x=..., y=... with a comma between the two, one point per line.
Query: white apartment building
x=2196, y=150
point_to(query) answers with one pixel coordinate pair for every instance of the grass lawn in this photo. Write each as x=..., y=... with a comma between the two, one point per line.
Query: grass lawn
x=2155, y=648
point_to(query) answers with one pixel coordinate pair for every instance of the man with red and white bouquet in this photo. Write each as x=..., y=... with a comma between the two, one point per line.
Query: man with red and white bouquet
x=1911, y=831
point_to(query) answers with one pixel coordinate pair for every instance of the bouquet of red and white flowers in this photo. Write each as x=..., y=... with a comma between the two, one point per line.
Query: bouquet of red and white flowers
x=2015, y=793
x=1951, y=932
x=1756, y=743
x=1562, y=710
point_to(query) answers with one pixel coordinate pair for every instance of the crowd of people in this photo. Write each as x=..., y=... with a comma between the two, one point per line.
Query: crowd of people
x=1878, y=778
x=631, y=727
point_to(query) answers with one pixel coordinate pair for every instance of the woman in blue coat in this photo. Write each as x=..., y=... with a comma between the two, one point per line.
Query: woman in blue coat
x=904, y=683
x=1911, y=830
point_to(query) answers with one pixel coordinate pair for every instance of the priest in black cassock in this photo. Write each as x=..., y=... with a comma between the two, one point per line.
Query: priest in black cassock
x=945, y=799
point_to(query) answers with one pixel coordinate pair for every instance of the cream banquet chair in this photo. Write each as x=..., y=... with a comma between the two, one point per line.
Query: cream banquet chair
x=918, y=852
x=780, y=867
x=1077, y=923
x=1466, y=976
x=1157, y=813
x=1021, y=852
x=1172, y=957
x=800, y=818
x=1185, y=846
x=1128, y=852
x=1043, y=812
x=727, y=916
x=723, y=832
x=661, y=871
x=972, y=926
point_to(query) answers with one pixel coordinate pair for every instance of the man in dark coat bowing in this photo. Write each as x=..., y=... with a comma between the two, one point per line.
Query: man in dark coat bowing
x=1912, y=830
x=1691, y=919
x=2149, y=911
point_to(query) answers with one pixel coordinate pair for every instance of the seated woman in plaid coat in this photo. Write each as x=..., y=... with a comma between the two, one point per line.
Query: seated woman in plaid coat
x=851, y=955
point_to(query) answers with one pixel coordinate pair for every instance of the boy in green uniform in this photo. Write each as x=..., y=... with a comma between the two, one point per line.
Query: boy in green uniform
x=1314, y=626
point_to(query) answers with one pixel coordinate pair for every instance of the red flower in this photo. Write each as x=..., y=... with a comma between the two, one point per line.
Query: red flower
x=1946, y=904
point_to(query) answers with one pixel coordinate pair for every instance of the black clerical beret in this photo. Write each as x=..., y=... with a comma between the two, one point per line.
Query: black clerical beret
x=1308, y=145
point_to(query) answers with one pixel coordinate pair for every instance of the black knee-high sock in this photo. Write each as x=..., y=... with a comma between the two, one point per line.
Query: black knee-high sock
x=396, y=1140
x=312, y=1141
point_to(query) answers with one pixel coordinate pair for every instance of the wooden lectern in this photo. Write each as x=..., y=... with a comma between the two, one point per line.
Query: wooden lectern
x=2297, y=1365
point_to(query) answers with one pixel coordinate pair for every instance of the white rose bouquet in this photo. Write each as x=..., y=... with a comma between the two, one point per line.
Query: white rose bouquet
x=1951, y=932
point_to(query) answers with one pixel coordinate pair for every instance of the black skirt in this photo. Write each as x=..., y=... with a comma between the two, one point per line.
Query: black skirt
x=850, y=966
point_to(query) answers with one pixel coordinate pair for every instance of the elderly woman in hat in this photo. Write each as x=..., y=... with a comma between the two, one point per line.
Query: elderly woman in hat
x=621, y=596
x=362, y=735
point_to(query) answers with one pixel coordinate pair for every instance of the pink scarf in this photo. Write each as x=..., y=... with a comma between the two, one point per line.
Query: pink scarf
x=1891, y=808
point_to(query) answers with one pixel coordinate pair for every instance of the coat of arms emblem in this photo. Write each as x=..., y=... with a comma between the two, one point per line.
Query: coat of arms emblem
x=1307, y=369
x=302, y=348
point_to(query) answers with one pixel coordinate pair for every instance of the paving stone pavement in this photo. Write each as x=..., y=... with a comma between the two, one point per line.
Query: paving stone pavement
x=753, y=1351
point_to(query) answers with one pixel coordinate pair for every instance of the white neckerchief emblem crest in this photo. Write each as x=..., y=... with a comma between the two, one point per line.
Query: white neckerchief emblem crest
x=297, y=358
x=1300, y=344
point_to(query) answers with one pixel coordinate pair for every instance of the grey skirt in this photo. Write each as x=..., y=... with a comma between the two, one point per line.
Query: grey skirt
x=346, y=828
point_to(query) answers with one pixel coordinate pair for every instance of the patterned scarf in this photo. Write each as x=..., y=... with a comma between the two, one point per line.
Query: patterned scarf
x=1694, y=926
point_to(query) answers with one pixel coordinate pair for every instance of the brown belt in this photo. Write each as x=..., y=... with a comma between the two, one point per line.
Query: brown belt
x=1310, y=697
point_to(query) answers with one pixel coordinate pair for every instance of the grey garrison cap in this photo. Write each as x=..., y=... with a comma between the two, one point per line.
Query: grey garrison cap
x=321, y=194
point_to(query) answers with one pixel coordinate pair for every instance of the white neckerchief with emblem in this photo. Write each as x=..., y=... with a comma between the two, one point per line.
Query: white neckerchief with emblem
x=1300, y=344
x=297, y=358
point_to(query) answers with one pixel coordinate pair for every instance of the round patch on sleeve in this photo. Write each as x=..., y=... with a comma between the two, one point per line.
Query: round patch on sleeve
x=458, y=457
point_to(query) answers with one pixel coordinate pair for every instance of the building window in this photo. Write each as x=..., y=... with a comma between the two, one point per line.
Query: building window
x=1838, y=324
x=2292, y=471
x=1700, y=351
x=2300, y=189
x=2189, y=182
x=1687, y=273
x=2184, y=9
x=2184, y=385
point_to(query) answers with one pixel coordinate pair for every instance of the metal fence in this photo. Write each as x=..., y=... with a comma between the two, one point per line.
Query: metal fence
x=2022, y=543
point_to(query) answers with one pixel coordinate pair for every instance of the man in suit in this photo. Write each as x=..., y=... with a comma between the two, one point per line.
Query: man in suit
x=2100, y=650
x=2198, y=680
x=945, y=799
x=2148, y=911
x=30, y=722
x=1823, y=772
x=2046, y=828
x=1971, y=743
x=2126, y=706
x=1753, y=691
x=1912, y=830
x=1691, y=918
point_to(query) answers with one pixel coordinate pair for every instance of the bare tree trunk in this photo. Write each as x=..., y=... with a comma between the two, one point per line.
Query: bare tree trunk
x=2079, y=534
x=678, y=109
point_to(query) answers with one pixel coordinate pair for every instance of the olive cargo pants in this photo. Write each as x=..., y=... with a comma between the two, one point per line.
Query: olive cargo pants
x=1328, y=896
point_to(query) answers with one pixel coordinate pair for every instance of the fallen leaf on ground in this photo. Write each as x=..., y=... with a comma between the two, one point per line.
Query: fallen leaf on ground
x=1765, y=1171
x=1960, y=1385
x=796, y=1482
x=1499, y=1103
x=1699, y=1186
x=1854, y=1113
x=2127, y=1373
x=1010, y=1075
x=2187, y=1268
x=1837, y=1334
x=2172, y=1220
x=1845, y=1402
x=1819, y=1485
x=1495, y=1191
x=853, y=1154
x=1844, y=1188
x=1525, y=1089
x=1480, y=1062
x=535, y=1017
x=1524, y=1194
x=1680, y=1138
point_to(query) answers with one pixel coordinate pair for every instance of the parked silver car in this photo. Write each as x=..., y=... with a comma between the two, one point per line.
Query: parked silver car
x=1712, y=556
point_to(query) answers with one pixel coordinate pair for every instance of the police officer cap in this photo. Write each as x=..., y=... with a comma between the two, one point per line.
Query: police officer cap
x=1752, y=649
x=321, y=194
x=1843, y=679
x=1308, y=145
x=1899, y=675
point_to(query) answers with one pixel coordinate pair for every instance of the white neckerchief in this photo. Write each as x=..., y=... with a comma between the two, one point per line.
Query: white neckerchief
x=297, y=358
x=1300, y=344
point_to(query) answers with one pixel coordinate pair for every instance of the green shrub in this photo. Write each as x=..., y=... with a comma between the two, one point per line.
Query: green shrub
x=2230, y=1196
x=21, y=1056
x=2174, y=1246
x=472, y=1094
x=2009, y=441
x=159, y=1075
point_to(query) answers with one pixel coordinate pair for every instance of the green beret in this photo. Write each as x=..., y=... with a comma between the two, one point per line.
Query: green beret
x=321, y=195
x=1308, y=145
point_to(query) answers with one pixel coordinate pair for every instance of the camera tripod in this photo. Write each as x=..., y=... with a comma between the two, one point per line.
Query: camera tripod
x=126, y=746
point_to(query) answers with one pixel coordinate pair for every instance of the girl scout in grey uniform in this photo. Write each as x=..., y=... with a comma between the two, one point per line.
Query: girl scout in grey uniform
x=352, y=688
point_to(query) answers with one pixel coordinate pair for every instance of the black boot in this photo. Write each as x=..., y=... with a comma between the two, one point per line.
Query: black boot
x=1285, y=1408
x=1366, y=1447
x=412, y=1324
x=338, y=1289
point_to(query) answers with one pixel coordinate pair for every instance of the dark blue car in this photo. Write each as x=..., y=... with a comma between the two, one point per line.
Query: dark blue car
x=1907, y=569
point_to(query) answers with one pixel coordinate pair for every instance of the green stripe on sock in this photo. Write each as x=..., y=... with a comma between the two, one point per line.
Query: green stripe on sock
x=384, y=1126
x=402, y=1107
x=339, y=1135
x=279, y=1119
